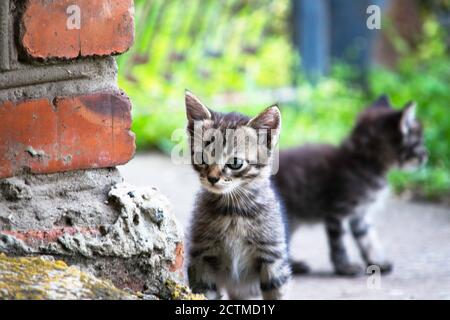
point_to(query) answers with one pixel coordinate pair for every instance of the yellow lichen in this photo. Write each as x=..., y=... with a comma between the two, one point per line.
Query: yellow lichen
x=181, y=292
x=40, y=278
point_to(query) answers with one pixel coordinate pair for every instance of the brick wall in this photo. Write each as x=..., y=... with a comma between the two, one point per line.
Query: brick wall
x=60, y=108
x=61, y=118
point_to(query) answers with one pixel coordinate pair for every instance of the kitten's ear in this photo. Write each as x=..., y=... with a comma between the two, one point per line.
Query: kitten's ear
x=195, y=109
x=408, y=119
x=382, y=102
x=270, y=119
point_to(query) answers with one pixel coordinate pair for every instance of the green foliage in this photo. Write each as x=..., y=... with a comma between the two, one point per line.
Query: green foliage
x=424, y=77
x=324, y=113
x=431, y=183
x=237, y=60
x=207, y=46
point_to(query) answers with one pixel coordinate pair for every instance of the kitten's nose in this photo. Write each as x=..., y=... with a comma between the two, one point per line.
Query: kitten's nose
x=213, y=180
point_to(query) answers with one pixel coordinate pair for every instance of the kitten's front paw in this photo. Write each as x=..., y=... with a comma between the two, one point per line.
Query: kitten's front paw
x=349, y=270
x=385, y=266
x=300, y=267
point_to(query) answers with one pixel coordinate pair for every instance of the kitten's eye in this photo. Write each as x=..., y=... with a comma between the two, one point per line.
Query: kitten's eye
x=236, y=164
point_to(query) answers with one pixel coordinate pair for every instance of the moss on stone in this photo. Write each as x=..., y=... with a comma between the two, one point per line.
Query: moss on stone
x=181, y=292
x=39, y=278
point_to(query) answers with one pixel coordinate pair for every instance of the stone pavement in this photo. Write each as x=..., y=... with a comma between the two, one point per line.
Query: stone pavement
x=416, y=237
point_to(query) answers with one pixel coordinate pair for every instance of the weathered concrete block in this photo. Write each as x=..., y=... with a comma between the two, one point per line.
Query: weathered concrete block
x=68, y=133
x=92, y=220
x=49, y=28
x=65, y=78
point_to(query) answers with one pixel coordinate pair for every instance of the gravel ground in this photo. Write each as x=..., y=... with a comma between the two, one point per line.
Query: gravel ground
x=416, y=237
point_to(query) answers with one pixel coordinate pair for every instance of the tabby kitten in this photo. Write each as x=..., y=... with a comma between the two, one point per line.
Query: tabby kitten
x=237, y=235
x=340, y=185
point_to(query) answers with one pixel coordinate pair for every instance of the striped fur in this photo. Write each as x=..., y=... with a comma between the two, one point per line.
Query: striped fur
x=237, y=238
x=344, y=185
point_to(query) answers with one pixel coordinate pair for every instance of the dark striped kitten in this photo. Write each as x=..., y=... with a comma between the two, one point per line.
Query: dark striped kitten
x=237, y=235
x=340, y=185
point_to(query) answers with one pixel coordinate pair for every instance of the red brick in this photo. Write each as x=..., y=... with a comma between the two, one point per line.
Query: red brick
x=107, y=27
x=177, y=264
x=71, y=133
x=39, y=237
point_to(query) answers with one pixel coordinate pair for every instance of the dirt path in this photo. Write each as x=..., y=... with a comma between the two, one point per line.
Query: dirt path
x=416, y=237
